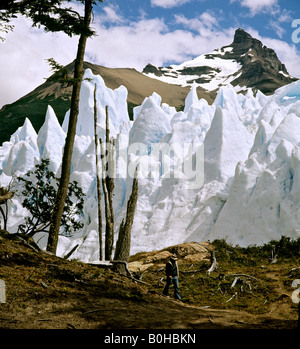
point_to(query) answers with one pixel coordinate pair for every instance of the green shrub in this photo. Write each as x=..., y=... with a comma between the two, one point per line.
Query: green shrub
x=40, y=188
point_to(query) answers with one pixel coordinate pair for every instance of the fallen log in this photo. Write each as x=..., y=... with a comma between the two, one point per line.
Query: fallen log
x=128, y=271
x=71, y=252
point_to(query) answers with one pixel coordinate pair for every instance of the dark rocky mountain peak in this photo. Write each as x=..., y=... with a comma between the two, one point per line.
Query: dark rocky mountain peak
x=241, y=37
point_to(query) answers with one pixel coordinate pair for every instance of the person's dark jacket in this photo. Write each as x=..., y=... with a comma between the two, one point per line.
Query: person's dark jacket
x=171, y=269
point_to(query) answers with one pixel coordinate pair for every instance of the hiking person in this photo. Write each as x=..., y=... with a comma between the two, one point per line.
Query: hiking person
x=172, y=274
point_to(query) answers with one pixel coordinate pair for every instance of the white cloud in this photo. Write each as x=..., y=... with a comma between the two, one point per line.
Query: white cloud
x=22, y=59
x=111, y=15
x=168, y=3
x=151, y=41
x=208, y=19
x=205, y=24
x=256, y=6
x=277, y=28
x=285, y=16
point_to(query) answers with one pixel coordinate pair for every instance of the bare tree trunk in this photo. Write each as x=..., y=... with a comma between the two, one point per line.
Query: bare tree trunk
x=4, y=218
x=110, y=185
x=214, y=263
x=68, y=149
x=124, y=239
x=273, y=258
x=97, y=153
x=109, y=222
x=108, y=189
x=5, y=195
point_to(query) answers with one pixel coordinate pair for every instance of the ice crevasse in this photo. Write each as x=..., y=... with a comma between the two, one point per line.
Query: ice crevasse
x=250, y=186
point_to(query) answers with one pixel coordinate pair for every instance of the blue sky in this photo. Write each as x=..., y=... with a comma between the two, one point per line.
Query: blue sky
x=271, y=18
x=202, y=24
x=132, y=33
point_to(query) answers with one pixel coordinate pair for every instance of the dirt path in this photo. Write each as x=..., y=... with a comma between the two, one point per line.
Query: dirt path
x=157, y=313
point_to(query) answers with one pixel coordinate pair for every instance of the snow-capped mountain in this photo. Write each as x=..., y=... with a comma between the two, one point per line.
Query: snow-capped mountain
x=245, y=63
x=34, y=105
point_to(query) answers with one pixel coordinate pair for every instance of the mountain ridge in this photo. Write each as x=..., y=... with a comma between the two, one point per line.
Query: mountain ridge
x=251, y=64
x=34, y=104
x=256, y=73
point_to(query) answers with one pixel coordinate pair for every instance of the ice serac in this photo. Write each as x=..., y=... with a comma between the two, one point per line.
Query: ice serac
x=262, y=139
x=257, y=218
x=21, y=158
x=114, y=99
x=24, y=133
x=289, y=130
x=151, y=124
x=288, y=95
x=226, y=143
x=51, y=140
x=191, y=98
x=228, y=99
x=263, y=200
x=23, y=153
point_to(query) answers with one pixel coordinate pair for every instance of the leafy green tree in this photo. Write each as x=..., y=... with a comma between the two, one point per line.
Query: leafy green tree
x=54, y=16
x=40, y=189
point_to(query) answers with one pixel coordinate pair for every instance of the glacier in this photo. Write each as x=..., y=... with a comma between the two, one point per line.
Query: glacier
x=226, y=170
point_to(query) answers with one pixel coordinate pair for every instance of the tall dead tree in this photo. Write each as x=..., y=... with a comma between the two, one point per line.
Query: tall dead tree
x=108, y=170
x=122, y=251
x=108, y=173
x=97, y=153
x=68, y=148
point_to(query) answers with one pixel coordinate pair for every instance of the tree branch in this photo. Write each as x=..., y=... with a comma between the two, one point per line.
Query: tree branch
x=245, y=275
x=214, y=263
